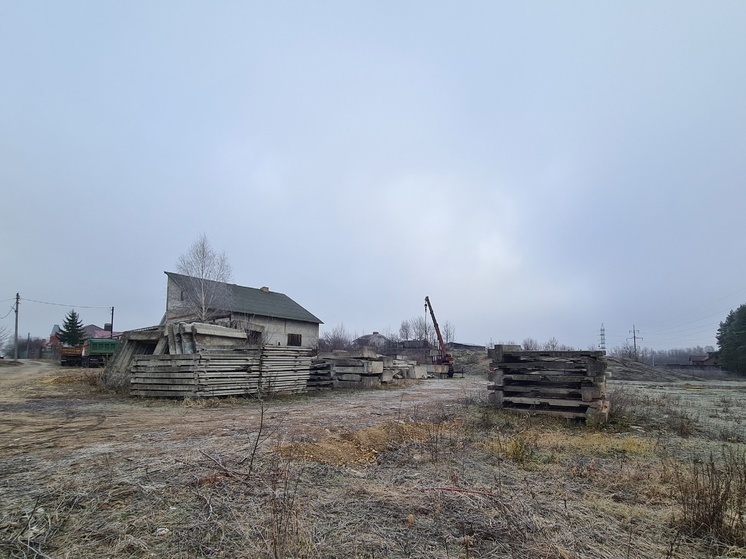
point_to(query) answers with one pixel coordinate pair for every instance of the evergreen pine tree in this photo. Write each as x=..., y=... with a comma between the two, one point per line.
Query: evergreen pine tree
x=731, y=337
x=72, y=332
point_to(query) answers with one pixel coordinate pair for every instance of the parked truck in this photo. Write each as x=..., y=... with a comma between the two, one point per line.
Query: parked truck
x=97, y=351
x=71, y=355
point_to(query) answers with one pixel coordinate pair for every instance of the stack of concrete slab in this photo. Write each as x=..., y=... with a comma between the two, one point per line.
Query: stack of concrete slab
x=320, y=375
x=400, y=368
x=196, y=375
x=559, y=383
x=357, y=373
x=197, y=359
x=284, y=369
x=363, y=369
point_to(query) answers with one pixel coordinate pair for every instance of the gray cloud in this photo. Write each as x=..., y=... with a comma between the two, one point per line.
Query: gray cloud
x=536, y=168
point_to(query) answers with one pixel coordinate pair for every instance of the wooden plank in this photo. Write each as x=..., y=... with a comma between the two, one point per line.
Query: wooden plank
x=543, y=365
x=544, y=390
x=543, y=377
x=533, y=354
x=589, y=393
x=550, y=402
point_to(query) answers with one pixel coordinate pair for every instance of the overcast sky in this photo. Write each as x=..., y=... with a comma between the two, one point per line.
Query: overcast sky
x=537, y=168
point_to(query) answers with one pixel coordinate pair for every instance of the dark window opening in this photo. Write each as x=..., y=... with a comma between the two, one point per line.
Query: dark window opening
x=255, y=337
x=294, y=339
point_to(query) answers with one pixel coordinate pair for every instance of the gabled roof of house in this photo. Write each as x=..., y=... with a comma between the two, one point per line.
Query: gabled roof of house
x=93, y=331
x=260, y=302
x=371, y=339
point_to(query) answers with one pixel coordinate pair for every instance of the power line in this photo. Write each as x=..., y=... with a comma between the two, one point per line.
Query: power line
x=690, y=322
x=635, y=337
x=706, y=306
x=10, y=311
x=63, y=305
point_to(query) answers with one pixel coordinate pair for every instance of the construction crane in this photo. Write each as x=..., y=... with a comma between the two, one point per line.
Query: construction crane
x=444, y=358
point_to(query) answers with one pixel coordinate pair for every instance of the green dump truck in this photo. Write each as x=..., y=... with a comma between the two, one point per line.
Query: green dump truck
x=97, y=351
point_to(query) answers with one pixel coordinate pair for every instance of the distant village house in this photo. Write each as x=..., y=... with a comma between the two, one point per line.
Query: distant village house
x=709, y=360
x=374, y=340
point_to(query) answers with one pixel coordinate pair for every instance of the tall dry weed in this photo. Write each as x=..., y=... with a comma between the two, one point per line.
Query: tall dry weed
x=711, y=495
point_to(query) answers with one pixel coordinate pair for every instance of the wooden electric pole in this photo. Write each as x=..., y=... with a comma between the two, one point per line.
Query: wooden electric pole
x=15, y=344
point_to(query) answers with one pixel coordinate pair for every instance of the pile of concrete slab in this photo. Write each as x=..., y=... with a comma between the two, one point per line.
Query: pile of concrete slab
x=363, y=369
x=196, y=359
x=569, y=384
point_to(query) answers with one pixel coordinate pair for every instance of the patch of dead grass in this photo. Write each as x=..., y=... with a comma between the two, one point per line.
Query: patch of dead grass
x=359, y=447
x=70, y=378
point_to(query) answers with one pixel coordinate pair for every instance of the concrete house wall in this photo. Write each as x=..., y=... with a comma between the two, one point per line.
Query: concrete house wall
x=275, y=331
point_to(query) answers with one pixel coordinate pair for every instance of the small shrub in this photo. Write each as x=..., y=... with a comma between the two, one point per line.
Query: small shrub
x=521, y=449
x=680, y=423
x=727, y=403
x=712, y=497
x=621, y=405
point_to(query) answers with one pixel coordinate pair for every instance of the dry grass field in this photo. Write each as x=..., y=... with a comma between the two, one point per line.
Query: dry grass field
x=418, y=471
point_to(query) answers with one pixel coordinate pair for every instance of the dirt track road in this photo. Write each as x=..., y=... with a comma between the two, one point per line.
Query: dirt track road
x=50, y=413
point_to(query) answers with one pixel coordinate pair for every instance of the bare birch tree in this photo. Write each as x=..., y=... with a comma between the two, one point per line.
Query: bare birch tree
x=531, y=344
x=405, y=330
x=5, y=339
x=207, y=275
x=336, y=338
x=552, y=344
x=422, y=329
x=448, y=331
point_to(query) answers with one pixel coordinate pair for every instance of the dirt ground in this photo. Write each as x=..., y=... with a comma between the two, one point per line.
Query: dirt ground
x=53, y=412
x=420, y=470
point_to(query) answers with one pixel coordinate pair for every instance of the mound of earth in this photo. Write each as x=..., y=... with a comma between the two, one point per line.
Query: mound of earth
x=627, y=369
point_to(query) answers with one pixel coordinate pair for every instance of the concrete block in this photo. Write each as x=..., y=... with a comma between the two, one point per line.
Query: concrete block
x=437, y=370
x=341, y=370
x=495, y=397
x=374, y=367
x=366, y=353
x=420, y=371
x=349, y=385
x=373, y=381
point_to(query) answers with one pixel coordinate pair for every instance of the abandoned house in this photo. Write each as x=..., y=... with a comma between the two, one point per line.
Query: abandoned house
x=268, y=317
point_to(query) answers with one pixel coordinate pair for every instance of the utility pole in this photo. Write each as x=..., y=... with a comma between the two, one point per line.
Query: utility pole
x=15, y=344
x=634, y=333
x=111, y=332
x=602, y=345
